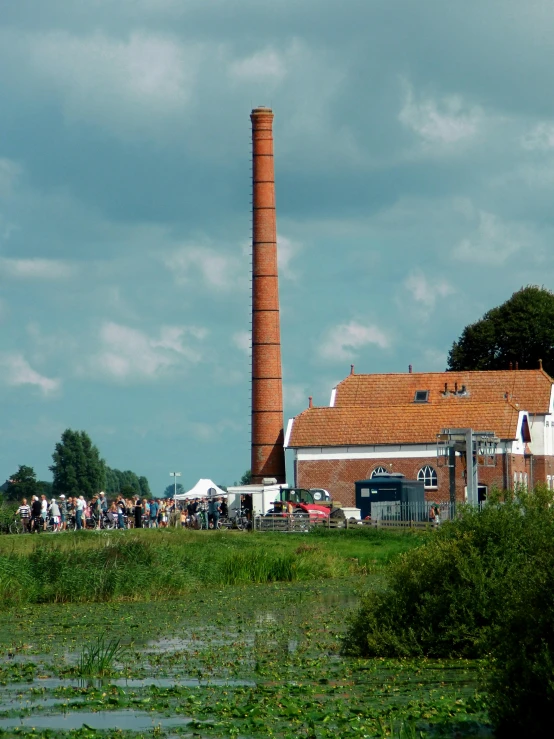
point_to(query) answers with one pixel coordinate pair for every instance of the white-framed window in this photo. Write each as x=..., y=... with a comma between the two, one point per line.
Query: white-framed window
x=379, y=471
x=428, y=476
x=515, y=479
x=549, y=482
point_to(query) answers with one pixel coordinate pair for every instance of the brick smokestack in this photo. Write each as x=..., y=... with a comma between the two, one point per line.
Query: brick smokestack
x=268, y=454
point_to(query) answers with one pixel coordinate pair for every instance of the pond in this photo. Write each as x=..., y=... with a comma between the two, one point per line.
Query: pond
x=243, y=662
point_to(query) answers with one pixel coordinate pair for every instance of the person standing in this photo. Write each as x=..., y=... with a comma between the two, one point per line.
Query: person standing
x=24, y=513
x=96, y=511
x=63, y=513
x=121, y=511
x=112, y=513
x=138, y=514
x=71, y=511
x=153, y=514
x=103, y=502
x=54, y=514
x=43, y=510
x=214, y=510
x=36, y=518
x=162, y=513
x=79, y=512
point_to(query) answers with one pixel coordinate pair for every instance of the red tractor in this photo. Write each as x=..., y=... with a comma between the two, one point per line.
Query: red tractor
x=315, y=503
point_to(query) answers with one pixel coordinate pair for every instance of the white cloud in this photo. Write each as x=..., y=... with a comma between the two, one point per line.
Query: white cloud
x=342, y=341
x=219, y=271
x=127, y=353
x=426, y=291
x=266, y=64
x=492, y=242
x=286, y=251
x=444, y=121
x=128, y=85
x=243, y=341
x=539, y=138
x=15, y=371
x=36, y=269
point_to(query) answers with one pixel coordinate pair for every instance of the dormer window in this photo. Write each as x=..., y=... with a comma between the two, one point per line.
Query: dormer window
x=421, y=396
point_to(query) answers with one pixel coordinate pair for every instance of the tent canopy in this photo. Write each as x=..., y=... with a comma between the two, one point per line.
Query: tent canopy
x=203, y=489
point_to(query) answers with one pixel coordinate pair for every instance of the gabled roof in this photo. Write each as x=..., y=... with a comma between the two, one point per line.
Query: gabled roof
x=416, y=423
x=528, y=389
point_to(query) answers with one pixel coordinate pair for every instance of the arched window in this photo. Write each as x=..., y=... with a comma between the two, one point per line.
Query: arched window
x=379, y=471
x=427, y=476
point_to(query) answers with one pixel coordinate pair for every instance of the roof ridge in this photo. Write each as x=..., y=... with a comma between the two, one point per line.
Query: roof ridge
x=444, y=372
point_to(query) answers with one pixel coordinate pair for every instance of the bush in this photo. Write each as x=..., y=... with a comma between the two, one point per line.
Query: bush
x=482, y=587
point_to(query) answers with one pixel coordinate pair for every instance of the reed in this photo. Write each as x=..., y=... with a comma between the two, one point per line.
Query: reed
x=159, y=564
x=97, y=659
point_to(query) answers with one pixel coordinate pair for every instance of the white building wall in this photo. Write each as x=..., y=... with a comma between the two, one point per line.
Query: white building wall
x=548, y=430
x=538, y=435
x=399, y=451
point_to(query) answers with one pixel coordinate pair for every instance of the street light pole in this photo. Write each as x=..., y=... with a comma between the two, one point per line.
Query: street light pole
x=175, y=475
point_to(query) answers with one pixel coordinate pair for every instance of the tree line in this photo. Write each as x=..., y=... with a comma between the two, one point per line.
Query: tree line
x=77, y=469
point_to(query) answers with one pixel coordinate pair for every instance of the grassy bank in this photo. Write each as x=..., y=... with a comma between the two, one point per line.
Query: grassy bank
x=148, y=564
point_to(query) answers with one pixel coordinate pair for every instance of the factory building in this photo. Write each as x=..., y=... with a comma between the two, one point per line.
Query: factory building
x=399, y=423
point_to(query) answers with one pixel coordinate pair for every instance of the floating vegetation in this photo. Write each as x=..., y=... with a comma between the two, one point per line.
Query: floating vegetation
x=249, y=662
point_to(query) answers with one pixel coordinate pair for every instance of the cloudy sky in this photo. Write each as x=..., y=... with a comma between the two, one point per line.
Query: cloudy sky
x=415, y=169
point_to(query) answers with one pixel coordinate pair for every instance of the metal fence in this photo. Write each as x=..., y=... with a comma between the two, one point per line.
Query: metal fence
x=393, y=515
x=297, y=523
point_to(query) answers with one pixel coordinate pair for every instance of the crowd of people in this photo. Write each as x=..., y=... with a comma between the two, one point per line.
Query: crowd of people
x=76, y=513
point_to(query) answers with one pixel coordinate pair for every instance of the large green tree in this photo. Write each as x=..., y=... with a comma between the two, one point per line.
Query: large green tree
x=22, y=484
x=116, y=481
x=78, y=468
x=170, y=490
x=521, y=331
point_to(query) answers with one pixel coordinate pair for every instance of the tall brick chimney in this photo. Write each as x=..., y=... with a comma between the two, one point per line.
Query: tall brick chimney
x=268, y=454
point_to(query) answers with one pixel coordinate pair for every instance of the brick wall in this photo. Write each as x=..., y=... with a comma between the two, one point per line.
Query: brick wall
x=339, y=476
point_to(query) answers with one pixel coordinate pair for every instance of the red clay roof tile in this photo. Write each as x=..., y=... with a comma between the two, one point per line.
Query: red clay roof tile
x=416, y=423
x=529, y=389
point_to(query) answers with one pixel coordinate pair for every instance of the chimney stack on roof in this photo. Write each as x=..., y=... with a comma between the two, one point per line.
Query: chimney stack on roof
x=268, y=454
x=310, y=402
x=351, y=369
x=410, y=369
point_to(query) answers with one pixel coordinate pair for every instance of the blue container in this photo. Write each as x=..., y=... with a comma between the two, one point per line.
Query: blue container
x=388, y=488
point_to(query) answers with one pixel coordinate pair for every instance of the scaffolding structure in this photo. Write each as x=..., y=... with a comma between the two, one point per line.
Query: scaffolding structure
x=482, y=447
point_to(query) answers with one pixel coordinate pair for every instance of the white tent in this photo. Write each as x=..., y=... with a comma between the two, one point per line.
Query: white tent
x=202, y=489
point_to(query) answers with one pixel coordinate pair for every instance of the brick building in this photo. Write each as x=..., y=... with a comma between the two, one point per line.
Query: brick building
x=389, y=423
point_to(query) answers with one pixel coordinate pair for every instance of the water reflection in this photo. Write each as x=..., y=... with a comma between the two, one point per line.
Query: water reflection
x=131, y=720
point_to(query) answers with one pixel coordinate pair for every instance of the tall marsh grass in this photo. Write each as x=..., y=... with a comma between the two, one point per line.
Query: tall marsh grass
x=153, y=564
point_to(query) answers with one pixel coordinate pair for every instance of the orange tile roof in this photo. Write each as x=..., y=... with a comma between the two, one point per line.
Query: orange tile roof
x=528, y=389
x=416, y=423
